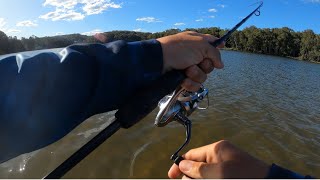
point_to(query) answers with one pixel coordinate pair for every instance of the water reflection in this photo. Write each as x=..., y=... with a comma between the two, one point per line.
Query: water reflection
x=139, y=150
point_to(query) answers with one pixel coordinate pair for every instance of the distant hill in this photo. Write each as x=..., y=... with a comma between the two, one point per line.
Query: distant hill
x=276, y=41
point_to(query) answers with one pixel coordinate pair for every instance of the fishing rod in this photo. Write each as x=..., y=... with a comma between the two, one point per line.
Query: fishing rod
x=175, y=107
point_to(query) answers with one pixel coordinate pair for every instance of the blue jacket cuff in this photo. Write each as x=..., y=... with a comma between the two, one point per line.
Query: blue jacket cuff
x=277, y=172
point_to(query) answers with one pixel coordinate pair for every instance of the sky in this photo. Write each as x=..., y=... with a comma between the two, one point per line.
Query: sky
x=24, y=18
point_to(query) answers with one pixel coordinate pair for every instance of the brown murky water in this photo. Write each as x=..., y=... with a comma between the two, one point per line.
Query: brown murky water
x=268, y=106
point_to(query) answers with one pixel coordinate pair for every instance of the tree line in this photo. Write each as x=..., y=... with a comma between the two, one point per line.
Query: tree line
x=284, y=41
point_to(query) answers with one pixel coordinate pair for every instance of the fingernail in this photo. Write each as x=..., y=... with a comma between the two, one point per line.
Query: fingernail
x=185, y=165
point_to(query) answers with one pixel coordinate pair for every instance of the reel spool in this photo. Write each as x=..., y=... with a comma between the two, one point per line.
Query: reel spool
x=180, y=101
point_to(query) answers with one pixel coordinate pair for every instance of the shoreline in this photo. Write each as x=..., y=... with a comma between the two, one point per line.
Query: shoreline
x=293, y=58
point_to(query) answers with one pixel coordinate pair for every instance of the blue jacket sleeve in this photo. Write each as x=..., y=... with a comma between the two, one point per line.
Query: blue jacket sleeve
x=277, y=172
x=43, y=97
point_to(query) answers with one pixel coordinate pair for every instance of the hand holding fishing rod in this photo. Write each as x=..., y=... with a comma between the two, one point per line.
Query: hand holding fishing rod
x=146, y=99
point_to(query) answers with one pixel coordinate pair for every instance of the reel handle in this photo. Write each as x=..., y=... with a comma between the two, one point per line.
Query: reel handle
x=177, y=160
x=145, y=100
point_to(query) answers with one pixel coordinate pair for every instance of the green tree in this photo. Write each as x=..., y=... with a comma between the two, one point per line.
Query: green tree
x=15, y=45
x=4, y=43
x=276, y=41
x=310, y=46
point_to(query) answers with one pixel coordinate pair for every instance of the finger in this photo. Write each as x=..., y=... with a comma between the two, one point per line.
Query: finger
x=212, y=153
x=190, y=85
x=212, y=39
x=209, y=37
x=212, y=52
x=199, y=154
x=215, y=56
x=206, y=66
x=198, y=170
x=196, y=74
x=174, y=172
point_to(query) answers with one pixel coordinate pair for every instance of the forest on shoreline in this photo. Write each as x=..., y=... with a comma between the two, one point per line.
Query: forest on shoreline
x=283, y=42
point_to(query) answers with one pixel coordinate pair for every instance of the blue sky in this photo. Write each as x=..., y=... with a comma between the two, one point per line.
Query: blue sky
x=23, y=18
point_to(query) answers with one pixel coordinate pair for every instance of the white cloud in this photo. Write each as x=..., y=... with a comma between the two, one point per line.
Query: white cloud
x=27, y=23
x=93, y=32
x=63, y=14
x=13, y=31
x=211, y=16
x=199, y=20
x=137, y=30
x=5, y=29
x=179, y=24
x=66, y=4
x=148, y=19
x=98, y=6
x=60, y=33
x=2, y=23
x=213, y=10
x=71, y=10
x=221, y=5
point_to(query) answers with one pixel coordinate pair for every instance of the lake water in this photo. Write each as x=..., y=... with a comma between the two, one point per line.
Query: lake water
x=266, y=105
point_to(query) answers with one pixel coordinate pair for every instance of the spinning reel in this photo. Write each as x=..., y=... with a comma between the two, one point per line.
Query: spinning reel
x=177, y=107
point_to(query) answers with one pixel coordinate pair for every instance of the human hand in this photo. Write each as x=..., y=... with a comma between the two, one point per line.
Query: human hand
x=219, y=160
x=192, y=52
x=189, y=51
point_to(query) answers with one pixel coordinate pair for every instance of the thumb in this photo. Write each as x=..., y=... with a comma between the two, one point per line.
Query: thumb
x=197, y=170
